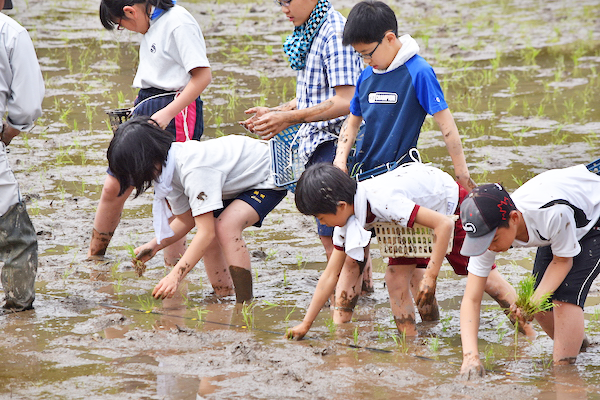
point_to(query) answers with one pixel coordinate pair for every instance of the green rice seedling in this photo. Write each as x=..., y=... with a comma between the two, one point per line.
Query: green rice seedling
x=401, y=341
x=488, y=355
x=269, y=304
x=200, y=313
x=501, y=331
x=525, y=289
x=138, y=265
x=331, y=326
x=248, y=314
x=529, y=54
x=289, y=314
x=445, y=322
x=433, y=343
x=114, y=269
x=379, y=333
x=355, y=336
x=285, y=282
x=513, y=80
x=118, y=286
x=271, y=253
x=147, y=303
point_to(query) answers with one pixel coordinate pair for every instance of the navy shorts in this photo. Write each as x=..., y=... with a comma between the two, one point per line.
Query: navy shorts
x=187, y=125
x=324, y=153
x=263, y=201
x=586, y=266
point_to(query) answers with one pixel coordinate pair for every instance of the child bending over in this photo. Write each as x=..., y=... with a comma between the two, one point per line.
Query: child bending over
x=220, y=186
x=558, y=212
x=413, y=193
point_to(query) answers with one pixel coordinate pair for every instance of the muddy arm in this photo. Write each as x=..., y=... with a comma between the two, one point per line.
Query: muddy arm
x=346, y=141
x=470, y=309
x=451, y=137
x=324, y=289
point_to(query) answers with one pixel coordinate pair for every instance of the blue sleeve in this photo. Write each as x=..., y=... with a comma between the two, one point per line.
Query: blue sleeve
x=355, y=102
x=428, y=89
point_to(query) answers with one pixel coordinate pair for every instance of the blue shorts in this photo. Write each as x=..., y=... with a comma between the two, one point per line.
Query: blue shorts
x=190, y=116
x=586, y=266
x=263, y=201
x=324, y=153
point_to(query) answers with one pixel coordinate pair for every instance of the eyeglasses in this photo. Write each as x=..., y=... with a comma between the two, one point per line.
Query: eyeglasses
x=367, y=56
x=284, y=3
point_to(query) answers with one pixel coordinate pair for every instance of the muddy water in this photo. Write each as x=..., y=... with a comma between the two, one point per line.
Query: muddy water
x=521, y=79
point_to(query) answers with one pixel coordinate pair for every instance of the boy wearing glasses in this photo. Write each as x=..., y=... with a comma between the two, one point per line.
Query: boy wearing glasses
x=393, y=95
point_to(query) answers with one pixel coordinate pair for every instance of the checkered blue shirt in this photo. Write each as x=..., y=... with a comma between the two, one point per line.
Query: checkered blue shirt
x=328, y=64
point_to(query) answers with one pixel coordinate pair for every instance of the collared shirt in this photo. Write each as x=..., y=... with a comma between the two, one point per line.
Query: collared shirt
x=21, y=81
x=328, y=64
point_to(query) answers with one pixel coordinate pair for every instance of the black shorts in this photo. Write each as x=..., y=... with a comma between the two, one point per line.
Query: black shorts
x=586, y=266
x=263, y=201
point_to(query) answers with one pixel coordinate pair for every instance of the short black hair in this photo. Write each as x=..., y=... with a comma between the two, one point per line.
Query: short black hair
x=138, y=146
x=111, y=10
x=321, y=187
x=368, y=22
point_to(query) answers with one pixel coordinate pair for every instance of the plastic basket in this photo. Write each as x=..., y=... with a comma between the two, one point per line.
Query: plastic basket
x=285, y=162
x=118, y=116
x=399, y=241
x=594, y=166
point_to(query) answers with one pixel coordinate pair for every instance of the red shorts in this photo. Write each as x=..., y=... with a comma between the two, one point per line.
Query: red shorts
x=457, y=261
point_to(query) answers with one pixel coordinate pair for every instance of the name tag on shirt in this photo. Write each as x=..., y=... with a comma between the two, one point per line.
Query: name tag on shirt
x=383, y=98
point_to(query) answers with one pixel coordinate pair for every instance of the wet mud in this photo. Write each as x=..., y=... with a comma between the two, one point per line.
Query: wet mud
x=521, y=79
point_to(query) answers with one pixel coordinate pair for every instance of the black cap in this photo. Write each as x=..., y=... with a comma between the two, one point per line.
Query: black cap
x=7, y=5
x=481, y=213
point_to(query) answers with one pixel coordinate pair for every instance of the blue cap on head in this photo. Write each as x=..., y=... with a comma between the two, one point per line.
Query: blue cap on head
x=481, y=213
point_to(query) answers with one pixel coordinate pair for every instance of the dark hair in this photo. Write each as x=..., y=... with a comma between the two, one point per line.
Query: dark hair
x=321, y=187
x=111, y=10
x=368, y=22
x=138, y=146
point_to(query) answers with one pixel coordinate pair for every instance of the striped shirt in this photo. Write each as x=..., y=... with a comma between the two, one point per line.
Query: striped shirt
x=328, y=64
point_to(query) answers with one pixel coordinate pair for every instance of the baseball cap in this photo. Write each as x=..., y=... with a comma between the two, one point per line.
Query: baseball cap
x=7, y=5
x=481, y=213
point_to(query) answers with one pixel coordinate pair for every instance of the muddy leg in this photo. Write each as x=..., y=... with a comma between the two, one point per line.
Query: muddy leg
x=347, y=290
x=98, y=245
x=428, y=312
x=505, y=295
x=242, y=282
x=18, y=258
x=398, y=278
x=217, y=270
x=367, y=283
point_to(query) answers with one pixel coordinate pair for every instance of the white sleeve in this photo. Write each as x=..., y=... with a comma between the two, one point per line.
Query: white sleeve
x=189, y=47
x=482, y=265
x=27, y=89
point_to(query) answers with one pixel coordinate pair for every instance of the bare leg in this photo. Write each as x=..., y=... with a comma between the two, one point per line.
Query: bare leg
x=398, y=278
x=428, y=312
x=347, y=291
x=217, y=270
x=108, y=215
x=568, y=332
x=229, y=227
x=505, y=295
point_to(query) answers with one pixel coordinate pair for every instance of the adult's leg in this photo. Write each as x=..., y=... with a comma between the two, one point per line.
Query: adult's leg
x=230, y=224
x=398, y=278
x=18, y=254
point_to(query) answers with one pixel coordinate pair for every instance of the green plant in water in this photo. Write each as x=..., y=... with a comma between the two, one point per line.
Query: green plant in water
x=331, y=326
x=433, y=343
x=200, y=313
x=401, y=341
x=147, y=303
x=248, y=314
x=271, y=253
x=355, y=335
x=289, y=314
x=525, y=290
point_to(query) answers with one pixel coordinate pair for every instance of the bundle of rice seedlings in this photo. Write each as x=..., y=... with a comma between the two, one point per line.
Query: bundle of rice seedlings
x=525, y=289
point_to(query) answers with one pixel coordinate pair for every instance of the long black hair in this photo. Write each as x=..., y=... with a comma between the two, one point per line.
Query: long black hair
x=321, y=187
x=112, y=10
x=137, y=153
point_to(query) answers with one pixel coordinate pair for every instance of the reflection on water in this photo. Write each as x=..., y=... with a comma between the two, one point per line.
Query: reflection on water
x=522, y=83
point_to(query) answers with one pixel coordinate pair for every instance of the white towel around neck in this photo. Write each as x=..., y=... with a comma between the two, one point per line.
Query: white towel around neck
x=356, y=236
x=162, y=188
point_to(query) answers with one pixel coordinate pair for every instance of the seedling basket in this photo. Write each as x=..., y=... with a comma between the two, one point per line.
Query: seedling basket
x=399, y=241
x=118, y=116
x=286, y=166
x=594, y=166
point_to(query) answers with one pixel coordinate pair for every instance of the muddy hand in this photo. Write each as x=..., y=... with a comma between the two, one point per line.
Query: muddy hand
x=471, y=368
x=144, y=253
x=297, y=332
x=426, y=294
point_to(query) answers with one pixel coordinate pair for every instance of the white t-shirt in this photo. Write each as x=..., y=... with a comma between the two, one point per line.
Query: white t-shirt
x=548, y=203
x=171, y=48
x=210, y=171
x=393, y=196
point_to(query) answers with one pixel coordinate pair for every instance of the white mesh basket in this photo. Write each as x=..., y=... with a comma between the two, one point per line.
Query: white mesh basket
x=398, y=241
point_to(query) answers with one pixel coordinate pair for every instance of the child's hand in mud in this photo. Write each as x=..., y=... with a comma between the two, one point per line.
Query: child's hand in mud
x=166, y=288
x=297, y=332
x=144, y=252
x=426, y=295
x=517, y=313
x=471, y=368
